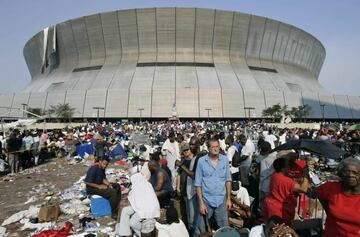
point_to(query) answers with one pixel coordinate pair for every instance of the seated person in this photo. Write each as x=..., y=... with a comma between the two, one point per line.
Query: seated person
x=240, y=194
x=174, y=227
x=240, y=205
x=97, y=184
x=161, y=183
x=144, y=208
x=275, y=227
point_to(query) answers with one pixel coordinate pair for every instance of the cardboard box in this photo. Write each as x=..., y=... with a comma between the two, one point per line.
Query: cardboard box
x=49, y=212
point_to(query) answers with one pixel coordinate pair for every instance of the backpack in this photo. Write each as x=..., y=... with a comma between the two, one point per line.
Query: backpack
x=236, y=159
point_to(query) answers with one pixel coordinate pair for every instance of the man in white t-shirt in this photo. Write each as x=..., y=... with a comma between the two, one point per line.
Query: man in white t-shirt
x=171, y=147
x=283, y=136
x=271, y=138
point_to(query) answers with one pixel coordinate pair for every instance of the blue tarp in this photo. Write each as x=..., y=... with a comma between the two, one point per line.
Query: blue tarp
x=118, y=151
x=81, y=149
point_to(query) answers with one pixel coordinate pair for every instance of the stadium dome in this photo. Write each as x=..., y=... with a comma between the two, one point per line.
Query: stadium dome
x=195, y=62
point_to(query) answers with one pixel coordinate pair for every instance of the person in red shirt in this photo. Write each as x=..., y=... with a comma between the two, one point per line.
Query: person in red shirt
x=281, y=200
x=341, y=201
x=298, y=170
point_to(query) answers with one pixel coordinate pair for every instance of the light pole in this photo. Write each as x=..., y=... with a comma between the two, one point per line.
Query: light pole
x=2, y=126
x=97, y=115
x=140, y=111
x=249, y=109
x=24, y=108
x=323, y=112
x=208, y=113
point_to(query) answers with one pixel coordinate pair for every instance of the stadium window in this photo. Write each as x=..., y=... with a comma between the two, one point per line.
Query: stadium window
x=91, y=68
x=178, y=64
x=263, y=69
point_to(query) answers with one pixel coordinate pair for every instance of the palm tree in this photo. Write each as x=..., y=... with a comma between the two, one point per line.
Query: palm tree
x=62, y=111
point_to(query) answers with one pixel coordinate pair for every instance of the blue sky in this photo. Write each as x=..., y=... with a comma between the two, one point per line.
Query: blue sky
x=334, y=22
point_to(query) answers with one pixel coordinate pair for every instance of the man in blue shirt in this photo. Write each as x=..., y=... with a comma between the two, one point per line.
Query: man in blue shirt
x=213, y=185
x=97, y=184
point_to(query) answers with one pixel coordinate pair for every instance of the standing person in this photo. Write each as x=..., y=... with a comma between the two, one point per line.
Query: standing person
x=222, y=141
x=28, y=141
x=3, y=142
x=266, y=171
x=341, y=201
x=35, y=147
x=100, y=146
x=164, y=164
x=44, y=138
x=1, y=146
x=271, y=138
x=181, y=181
x=192, y=204
x=171, y=147
x=283, y=137
x=13, y=146
x=247, y=151
x=213, y=185
x=281, y=200
x=97, y=184
x=230, y=152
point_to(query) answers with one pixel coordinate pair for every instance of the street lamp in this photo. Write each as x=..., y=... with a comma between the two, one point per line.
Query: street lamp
x=24, y=107
x=208, y=113
x=323, y=112
x=140, y=111
x=98, y=109
x=249, y=109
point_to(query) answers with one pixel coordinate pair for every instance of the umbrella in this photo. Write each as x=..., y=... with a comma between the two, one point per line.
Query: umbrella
x=318, y=147
x=354, y=127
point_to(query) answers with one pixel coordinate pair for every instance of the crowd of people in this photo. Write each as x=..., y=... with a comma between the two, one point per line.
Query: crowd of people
x=23, y=149
x=209, y=175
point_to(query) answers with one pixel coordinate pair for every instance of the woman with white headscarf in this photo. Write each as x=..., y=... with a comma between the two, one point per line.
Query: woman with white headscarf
x=144, y=208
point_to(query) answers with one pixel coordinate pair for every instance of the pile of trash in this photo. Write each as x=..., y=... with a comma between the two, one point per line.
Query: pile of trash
x=57, y=210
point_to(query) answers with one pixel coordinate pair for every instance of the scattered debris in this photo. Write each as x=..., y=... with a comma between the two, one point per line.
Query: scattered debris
x=2, y=231
x=74, y=203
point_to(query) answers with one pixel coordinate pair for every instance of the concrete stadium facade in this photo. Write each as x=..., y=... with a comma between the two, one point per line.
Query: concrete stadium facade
x=206, y=62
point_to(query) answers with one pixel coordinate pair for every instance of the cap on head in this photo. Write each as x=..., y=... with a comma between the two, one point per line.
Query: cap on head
x=184, y=147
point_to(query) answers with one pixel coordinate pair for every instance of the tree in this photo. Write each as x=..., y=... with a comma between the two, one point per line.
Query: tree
x=275, y=112
x=300, y=112
x=62, y=111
